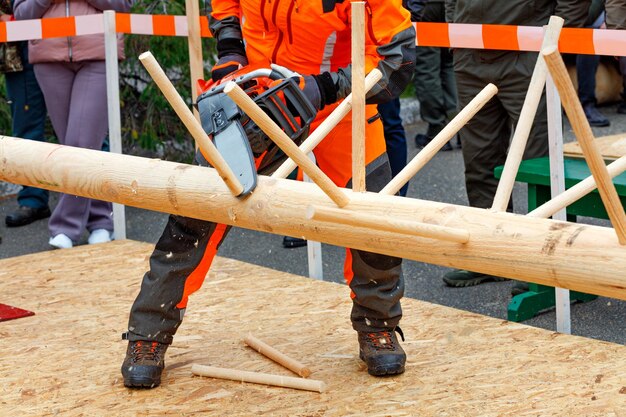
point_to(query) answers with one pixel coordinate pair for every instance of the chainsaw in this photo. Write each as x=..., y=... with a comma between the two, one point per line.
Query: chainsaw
x=243, y=145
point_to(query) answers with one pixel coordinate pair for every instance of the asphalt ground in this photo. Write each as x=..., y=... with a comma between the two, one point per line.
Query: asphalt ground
x=440, y=180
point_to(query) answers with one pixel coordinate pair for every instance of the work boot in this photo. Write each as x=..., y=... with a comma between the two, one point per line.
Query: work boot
x=594, y=117
x=143, y=364
x=421, y=140
x=621, y=107
x=26, y=215
x=381, y=352
x=463, y=278
x=293, y=242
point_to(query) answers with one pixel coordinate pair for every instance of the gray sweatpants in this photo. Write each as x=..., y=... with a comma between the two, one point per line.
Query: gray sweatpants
x=75, y=95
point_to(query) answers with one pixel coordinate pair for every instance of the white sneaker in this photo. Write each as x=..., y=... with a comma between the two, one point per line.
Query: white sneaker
x=99, y=236
x=61, y=241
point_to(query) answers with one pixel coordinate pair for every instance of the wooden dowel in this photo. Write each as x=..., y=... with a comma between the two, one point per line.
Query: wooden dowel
x=441, y=139
x=576, y=192
x=259, y=378
x=327, y=125
x=207, y=148
x=267, y=125
x=583, y=133
x=194, y=40
x=277, y=356
x=526, y=119
x=387, y=224
x=358, y=96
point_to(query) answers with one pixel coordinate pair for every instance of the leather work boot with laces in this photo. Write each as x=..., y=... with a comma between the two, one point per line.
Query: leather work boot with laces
x=382, y=352
x=143, y=364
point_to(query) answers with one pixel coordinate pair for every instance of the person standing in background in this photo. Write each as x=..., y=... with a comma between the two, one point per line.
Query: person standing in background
x=435, y=86
x=72, y=74
x=486, y=137
x=28, y=118
x=616, y=19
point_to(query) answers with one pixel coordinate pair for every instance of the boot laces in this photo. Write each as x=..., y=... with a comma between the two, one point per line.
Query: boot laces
x=381, y=340
x=147, y=351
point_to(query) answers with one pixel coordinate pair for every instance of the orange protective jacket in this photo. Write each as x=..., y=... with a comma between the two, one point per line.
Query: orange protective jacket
x=313, y=37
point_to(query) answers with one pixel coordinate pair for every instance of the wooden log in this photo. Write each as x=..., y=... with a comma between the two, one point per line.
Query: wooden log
x=258, y=378
x=387, y=224
x=358, y=95
x=207, y=148
x=583, y=133
x=277, y=356
x=576, y=192
x=267, y=125
x=441, y=139
x=327, y=125
x=580, y=257
x=526, y=119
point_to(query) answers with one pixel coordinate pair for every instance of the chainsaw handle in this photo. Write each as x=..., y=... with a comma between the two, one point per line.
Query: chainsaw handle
x=262, y=72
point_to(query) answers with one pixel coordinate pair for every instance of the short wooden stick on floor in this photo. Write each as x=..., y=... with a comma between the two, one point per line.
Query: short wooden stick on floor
x=192, y=124
x=387, y=224
x=259, y=378
x=583, y=133
x=267, y=125
x=277, y=356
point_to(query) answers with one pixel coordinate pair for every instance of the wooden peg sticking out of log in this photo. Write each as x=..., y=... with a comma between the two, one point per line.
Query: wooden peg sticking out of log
x=277, y=356
x=267, y=125
x=441, y=139
x=208, y=149
x=259, y=378
x=387, y=224
x=358, y=96
x=576, y=192
x=327, y=125
x=583, y=133
x=526, y=119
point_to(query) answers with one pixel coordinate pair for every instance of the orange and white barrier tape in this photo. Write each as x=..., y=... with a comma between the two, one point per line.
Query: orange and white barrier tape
x=457, y=35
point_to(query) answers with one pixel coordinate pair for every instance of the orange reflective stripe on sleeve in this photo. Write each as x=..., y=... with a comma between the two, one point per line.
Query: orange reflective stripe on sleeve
x=196, y=278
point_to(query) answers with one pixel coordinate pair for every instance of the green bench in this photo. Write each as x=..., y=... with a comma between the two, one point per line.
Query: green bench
x=536, y=173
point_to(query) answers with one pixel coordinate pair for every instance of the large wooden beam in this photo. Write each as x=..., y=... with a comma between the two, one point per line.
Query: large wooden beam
x=568, y=255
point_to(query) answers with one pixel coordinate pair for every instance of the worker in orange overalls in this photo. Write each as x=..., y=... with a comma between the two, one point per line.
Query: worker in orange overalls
x=312, y=38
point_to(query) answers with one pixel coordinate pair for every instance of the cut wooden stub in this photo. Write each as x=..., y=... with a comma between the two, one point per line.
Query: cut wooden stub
x=277, y=356
x=259, y=378
x=327, y=125
x=583, y=133
x=580, y=257
x=441, y=139
x=267, y=125
x=207, y=148
x=387, y=224
x=526, y=119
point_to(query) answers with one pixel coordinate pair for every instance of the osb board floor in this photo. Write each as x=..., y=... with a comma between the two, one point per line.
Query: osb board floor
x=65, y=360
x=611, y=147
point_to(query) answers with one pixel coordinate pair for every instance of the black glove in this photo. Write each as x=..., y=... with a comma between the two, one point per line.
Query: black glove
x=319, y=89
x=226, y=65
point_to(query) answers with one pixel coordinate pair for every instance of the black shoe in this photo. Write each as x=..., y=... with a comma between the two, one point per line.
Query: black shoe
x=382, y=352
x=446, y=147
x=458, y=141
x=421, y=140
x=621, y=107
x=594, y=117
x=143, y=364
x=293, y=242
x=463, y=278
x=26, y=215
